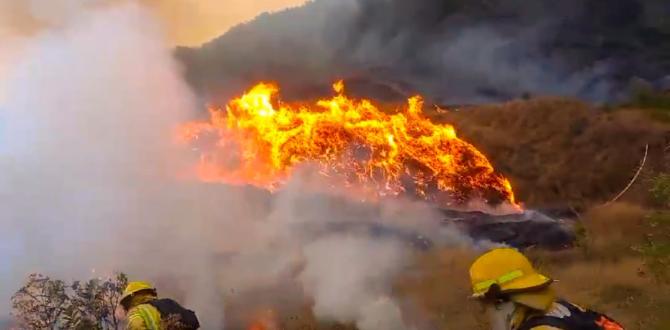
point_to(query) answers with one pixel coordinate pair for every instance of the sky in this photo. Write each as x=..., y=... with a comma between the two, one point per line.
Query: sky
x=187, y=22
x=192, y=22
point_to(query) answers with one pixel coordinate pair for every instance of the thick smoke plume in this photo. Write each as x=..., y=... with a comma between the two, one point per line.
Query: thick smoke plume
x=87, y=114
x=91, y=183
x=452, y=51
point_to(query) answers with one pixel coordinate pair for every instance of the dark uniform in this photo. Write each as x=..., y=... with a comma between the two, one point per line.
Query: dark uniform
x=567, y=316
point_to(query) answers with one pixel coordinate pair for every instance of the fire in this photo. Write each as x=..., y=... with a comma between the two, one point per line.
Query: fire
x=265, y=320
x=261, y=141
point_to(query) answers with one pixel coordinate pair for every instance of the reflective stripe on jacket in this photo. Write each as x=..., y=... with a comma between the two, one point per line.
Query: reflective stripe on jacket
x=144, y=317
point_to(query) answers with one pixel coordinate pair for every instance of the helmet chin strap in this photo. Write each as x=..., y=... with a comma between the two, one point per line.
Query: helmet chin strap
x=500, y=315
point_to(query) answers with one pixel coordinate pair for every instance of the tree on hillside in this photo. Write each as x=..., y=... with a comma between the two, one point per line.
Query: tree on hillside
x=44, y=303
x=41, y=303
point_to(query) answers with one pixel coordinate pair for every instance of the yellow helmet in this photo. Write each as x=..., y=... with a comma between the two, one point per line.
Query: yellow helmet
x=507, y=268
x=135, y=287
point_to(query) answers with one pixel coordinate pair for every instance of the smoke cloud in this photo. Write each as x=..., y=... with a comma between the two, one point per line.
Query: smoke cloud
x=86, y=119
x=92, y=183
x=450, y=51
x=357, y=266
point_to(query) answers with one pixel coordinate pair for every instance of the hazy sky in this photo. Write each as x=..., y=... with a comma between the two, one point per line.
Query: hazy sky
x=188, y=22
x=196, y=21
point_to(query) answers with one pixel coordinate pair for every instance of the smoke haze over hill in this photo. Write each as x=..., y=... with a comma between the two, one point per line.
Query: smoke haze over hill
x=451, y=51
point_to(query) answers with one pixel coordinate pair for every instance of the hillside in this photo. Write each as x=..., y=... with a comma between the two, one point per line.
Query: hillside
x=562, y=152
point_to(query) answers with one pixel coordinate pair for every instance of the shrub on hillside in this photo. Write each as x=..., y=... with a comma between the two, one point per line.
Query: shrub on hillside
x=660, y=189
x=647, y=97
x=656, y=248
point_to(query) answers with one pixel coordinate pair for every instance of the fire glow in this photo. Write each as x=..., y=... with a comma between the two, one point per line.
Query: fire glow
x=259, y=140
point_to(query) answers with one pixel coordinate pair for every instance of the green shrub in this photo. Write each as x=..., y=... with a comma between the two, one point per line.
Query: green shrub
x=660, y=189
x=656, y=103
x=656, y=249
x=644, y=96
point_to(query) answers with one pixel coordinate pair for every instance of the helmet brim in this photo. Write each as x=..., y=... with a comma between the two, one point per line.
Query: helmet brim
x=127, y=295
x=523, y=284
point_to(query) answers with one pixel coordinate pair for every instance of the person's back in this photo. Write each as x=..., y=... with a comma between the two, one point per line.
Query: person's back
x=146, y=312
x=142, y=315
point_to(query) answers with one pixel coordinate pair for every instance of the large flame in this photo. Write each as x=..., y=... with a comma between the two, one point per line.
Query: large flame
x=261, y=141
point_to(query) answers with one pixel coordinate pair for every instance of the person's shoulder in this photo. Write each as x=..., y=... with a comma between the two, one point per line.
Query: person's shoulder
x=143, y=316
x=142, y=307
x=149, y=308
x=142, y=311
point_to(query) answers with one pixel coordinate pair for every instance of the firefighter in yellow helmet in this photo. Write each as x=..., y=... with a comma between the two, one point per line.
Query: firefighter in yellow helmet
x=517, y=297
x=145, y=311
x=135, y=301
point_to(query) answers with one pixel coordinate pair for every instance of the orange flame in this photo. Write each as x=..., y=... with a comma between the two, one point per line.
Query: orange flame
x=265, y=320
x=261, y=141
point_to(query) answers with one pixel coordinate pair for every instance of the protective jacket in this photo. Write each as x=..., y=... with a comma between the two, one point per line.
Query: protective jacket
x=563, y=315
x=142, y=315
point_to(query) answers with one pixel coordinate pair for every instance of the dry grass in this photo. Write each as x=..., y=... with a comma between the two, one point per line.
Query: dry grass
x=609, y=275
x=563, y=151
x=619, y=288
x=613, y=230
x=439, y=287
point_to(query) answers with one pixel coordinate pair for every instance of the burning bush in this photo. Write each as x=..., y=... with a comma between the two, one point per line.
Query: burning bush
x=259, y=140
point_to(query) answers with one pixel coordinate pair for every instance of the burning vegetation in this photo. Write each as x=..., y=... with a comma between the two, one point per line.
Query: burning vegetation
x=260, y=140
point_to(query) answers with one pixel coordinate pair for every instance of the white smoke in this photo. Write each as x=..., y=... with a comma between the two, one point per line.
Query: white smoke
x=87, y=116
x=57, y=12
x=11, y=47
x=350, y=278
x=89, y=179
x=337, y=251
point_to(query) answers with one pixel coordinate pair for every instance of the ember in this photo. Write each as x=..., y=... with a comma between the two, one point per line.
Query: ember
x=260, y=140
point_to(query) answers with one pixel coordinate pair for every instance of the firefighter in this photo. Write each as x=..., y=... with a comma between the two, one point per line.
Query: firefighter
x=145, y=311
x=139, y=313
x=516, y=297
